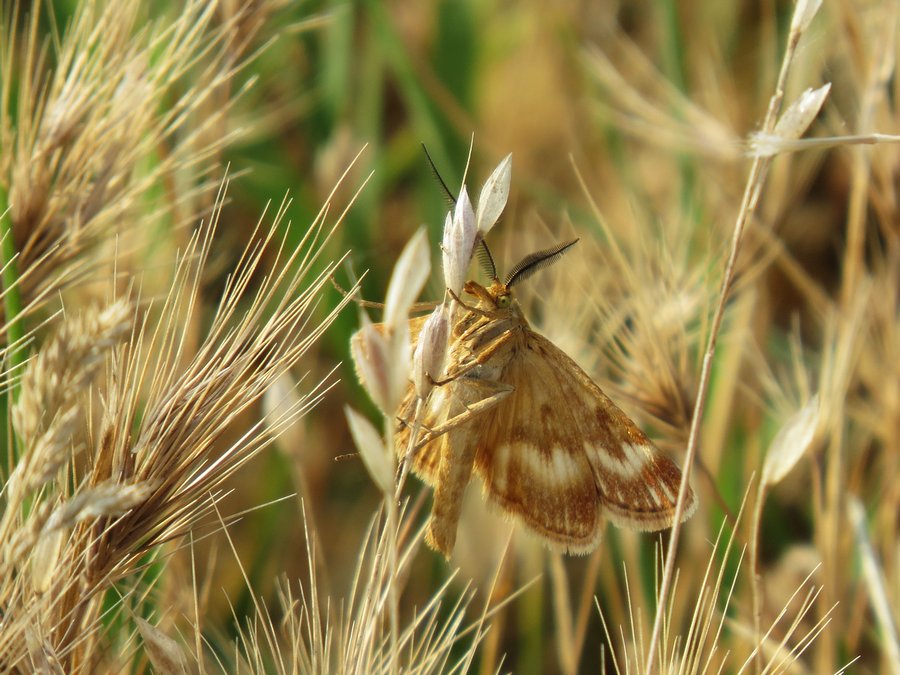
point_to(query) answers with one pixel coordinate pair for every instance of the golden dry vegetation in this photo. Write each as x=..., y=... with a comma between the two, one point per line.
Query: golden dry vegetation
x=186, y=188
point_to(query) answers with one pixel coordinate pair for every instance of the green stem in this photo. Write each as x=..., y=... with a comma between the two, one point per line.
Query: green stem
x=12, y=306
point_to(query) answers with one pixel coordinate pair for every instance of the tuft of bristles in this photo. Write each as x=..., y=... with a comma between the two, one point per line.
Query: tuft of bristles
x=76, y=145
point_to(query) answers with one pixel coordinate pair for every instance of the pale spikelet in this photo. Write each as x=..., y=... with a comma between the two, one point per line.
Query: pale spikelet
x=67, y=363
x=167, y=655
x=792, y=441
x=792, y=124
x=46, y=454
x=794, y=121
x=458, y=242
x=373, y=358
x=377, y=458
x=431, y=350
x=20, y=541
x=281, y=404
x=804, y=12
x=409, y=276
x=106, y=499
x=383, y=357
x=47, y=414
x=493, y=196
x=42, y=658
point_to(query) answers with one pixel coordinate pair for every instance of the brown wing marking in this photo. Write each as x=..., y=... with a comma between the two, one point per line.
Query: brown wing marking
x=562, y=455
x=638, y=484
x=531, y=455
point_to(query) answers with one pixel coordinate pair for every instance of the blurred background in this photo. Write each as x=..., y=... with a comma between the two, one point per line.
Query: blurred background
x=628, y=125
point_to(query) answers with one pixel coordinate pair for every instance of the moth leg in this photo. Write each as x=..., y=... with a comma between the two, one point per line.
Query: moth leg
x=494, y=393
x=478, y=358
x=458, y=459
x=454, y=472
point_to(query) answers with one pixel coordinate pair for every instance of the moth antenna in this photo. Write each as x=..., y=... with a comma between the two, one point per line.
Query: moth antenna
x=450, y=196
x=355, y=297
x=485, y=259
x=536, y=261
x=355, y=294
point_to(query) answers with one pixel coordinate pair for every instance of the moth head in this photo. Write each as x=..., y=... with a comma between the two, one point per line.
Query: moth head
x=490, y=299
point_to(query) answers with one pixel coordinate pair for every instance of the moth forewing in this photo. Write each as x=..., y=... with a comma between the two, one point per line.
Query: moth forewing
x=638, y=484
x=531, y=457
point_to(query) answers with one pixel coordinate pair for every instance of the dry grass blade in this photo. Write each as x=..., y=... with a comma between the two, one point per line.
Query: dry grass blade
x=699, y=649
x=752, y=192
x=875, y=585
x=324, y=635
x=139, y=490
x=165, y=654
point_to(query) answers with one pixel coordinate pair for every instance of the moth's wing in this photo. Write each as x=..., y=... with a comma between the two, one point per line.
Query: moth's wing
x=638, y=483
x=459, y=403
x=426, y=460
x=531, y=455
x=560, y=451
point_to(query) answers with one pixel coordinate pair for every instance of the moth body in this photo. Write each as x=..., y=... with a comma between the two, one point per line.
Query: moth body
x=551, y=449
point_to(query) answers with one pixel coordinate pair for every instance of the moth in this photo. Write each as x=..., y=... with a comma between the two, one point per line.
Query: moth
x=551, y=449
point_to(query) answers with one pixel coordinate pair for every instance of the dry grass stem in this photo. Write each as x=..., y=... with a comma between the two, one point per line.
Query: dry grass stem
x=754, y=185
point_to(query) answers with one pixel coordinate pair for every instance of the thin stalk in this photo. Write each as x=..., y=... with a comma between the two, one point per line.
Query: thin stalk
x=752, y=191
x=12, y=306
x=393, y=530
x=755, y=591
x=12, y=298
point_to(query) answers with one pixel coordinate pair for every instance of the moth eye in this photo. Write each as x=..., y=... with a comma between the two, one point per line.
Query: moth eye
x=503, y=301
